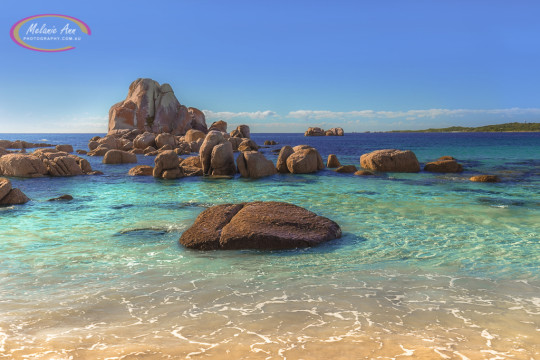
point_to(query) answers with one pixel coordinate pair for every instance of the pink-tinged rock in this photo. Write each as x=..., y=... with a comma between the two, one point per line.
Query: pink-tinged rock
x=198, y=120
x=219, y=125
x=390, y=160
x=145, y=140
x=194, y=135
x=281, y=165
x=171, y=116
x=304, y=161
x=337, y=131
x=169, y=162
x=314, y=131
x=165, y=139
x=222, y=161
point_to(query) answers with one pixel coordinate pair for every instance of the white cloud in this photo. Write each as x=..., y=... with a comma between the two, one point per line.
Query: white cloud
x=228, y=115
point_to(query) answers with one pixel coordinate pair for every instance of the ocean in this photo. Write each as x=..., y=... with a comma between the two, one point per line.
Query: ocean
x=430, y=266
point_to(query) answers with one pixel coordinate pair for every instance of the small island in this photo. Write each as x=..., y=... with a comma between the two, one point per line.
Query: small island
x=507, y=127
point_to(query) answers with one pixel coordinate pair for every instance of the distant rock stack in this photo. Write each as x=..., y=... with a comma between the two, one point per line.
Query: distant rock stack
x=316, y=131
x=152, y=107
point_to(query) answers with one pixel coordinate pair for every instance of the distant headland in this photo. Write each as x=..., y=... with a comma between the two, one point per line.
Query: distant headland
x=507, y=127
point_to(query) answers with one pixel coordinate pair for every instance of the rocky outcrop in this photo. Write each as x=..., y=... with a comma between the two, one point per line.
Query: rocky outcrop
x=347, y=169
x=141, y=170
x=317, y=131
x=9, y=195
x=485, y=178
x=22, y=165
x=332, y=161
x=270, y=142
x=59, y=163
x=235, y=142
x=258, y=225
x=304, y=160
x=337, y=131
x=216, y=155
x=167, y=166
x=119, y=157
x=284, y=154
x=198, y=120
x=241, y=131
x=219, y=125
x=390, y=160
x=18, y=144
x=444, y=166
x=64, y=148
x=253, y=164
x=152, y=107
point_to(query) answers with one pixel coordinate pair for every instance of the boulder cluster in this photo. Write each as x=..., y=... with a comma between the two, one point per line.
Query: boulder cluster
x=317, y=131
x=301, y=159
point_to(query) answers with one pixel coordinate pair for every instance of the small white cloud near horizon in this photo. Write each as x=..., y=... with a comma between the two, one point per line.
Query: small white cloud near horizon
x=229, y=115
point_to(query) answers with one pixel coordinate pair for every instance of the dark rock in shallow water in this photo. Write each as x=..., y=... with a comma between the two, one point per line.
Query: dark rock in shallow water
x=347, y=169
x=444, y=166
x=65, y=197
x=258, y=225
x=485, y=178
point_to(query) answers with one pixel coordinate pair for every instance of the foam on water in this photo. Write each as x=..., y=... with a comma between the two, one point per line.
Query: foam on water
x=429, y=266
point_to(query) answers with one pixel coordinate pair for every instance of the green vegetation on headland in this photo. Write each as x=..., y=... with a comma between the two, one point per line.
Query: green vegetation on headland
x=508, y=127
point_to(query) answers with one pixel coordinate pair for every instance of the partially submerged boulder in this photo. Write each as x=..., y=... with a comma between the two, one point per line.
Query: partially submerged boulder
x=65, y=148
x=253, y=164
x=485, y=178
x=444, y=166
x=141, y=170
x=216, y=155
x=258, y=225
x=22, y=165
x=304, y=160
x=284, y=154
x=65, y=197
x=332, y=161
x=167, y=165
x=390, y=160
x=9, y=195
x=363, y=173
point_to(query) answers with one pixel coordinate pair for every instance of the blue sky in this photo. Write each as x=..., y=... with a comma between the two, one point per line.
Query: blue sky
x=281, y=66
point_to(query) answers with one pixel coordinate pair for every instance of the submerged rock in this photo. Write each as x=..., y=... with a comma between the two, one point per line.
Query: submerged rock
x=65, y=197
x=258, y=225
x=141, y=170
x=444, y=166
x=485, y=178
x=390, y=160
x=363, y=173
x=348, y=169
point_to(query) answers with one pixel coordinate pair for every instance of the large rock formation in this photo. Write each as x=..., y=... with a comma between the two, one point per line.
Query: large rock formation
x=152, y=107
x=216, y=155
x=241, y=131
x=198, y=120
x=253, y=164
x=337, y=131
x=390, y=160
x=167, y=165
x=44, y=162
x=258, y=225
x=18, y=144
x=9, y=195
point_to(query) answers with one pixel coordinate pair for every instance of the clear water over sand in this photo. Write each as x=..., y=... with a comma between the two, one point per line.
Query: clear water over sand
x=430, y=266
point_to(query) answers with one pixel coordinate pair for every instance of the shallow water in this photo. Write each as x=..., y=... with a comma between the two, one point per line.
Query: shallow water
x=429, y=266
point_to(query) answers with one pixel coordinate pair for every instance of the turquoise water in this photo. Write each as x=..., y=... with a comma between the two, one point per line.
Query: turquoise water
x=429, y=265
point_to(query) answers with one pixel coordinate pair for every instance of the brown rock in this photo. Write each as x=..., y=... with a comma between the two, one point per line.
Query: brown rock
x=141, y=170
x=235, y=141
x=219, y=125
x=258, y=225
x=337, y=131
x=165, y=147
x=65, y=148
x=137, y=151
x=145, y=140
x=270, y=142
x=119, y=157
x=194, y=161
x=14, y=197
x=165, y=139
x=348, y=169
x=191, y=170
x=194, y=135
x=63, y=166
x=3, y=151
x=446, y=158
x=81, y=152
x=390, y=160
x=485, y=178
x=5, y=187
x=444, y=166
x=166, y=161
x=22, y=166
x=242, y=131
x=314, y=131
x=304, y=161
x=363, y=173
x=332, y=161
x=92, y=145
x=253, y=164
x=248, y=145
x=222, y=161
x=65, y=197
